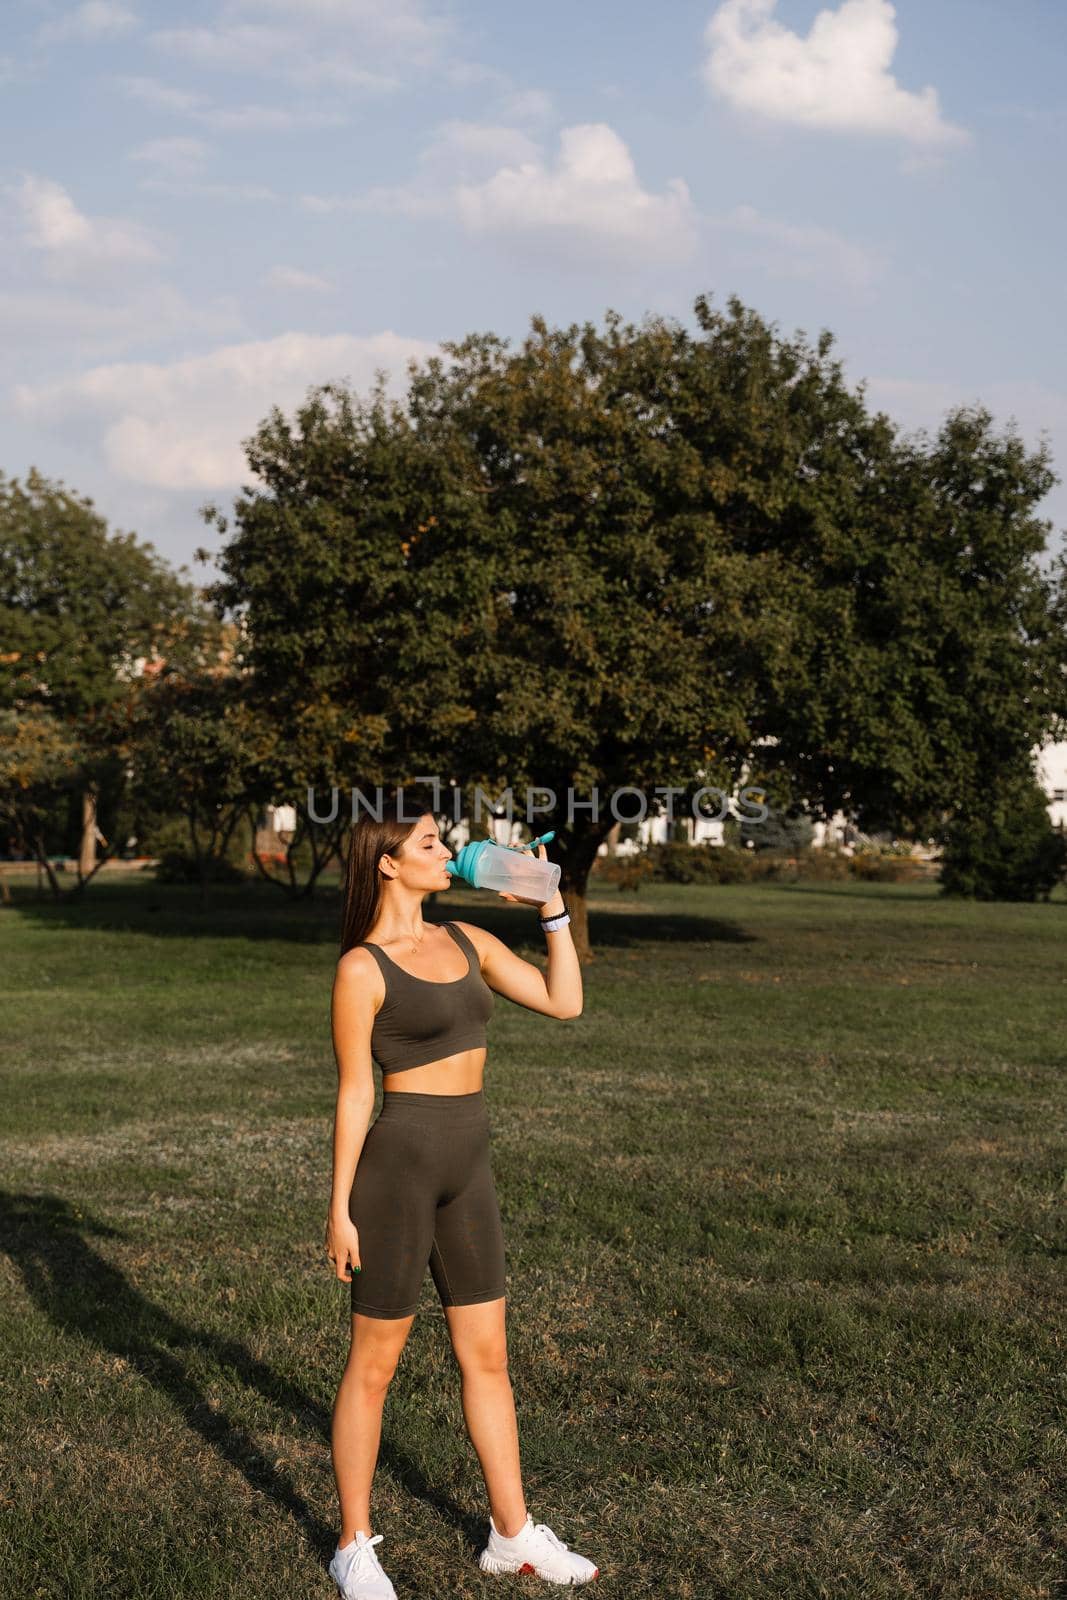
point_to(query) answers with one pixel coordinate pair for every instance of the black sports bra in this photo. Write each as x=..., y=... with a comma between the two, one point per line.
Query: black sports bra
x=423, y=1020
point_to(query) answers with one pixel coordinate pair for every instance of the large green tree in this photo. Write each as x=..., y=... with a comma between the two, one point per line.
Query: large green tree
x=931, y=653
x=532, y=573
x=641, y=557
x=79, y=605
x=350, y=649
x=41, y=758
x=201, y=751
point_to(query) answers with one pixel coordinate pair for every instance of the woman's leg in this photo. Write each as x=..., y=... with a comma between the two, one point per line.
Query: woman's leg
x=469, y=1268
x=480, y=1344
x=392, y=1207
x=356, y=1426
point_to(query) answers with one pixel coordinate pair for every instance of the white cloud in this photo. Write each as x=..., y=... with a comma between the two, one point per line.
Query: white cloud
x=179, y=425
x=285, y=278
x=328, y=72
x=496, y=181
x=459, y=151
x=160, y=96
x=836, y=78
x=228, y=193
x=174, y=168
x=406, y=23
x=343, y=44
x=591, y=200
x=806, y=250
x=248, y=47
x=272, y=52
x=94, y=19
x=510, y=101
x=527, y=105
x=94, y=328
x=460, y=147
x=72, y=242
x=270, y=119
x=247, y=118
x=366, y=47
x=177, y=158
x=404, y=201
x=923, y=403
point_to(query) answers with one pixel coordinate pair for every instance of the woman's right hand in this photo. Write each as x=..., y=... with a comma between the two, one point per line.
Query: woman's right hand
x=521, y=899
x=342, y=1246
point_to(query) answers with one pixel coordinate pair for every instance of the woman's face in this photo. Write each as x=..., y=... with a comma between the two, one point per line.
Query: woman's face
x=421, y=862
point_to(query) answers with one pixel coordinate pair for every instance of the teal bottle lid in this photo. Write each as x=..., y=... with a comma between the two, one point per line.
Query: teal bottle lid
x=465, y=863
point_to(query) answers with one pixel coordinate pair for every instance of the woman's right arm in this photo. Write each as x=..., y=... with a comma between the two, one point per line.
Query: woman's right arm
x=352, y=1010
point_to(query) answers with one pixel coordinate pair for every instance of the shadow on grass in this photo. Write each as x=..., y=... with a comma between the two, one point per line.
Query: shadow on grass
x=86, y=1297
x=920, y=889
x=257, y=911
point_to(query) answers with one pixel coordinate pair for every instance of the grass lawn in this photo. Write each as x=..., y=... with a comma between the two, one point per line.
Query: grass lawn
x=784, y=1212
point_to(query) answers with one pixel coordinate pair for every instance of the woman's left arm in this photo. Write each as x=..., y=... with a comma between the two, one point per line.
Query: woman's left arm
x=557, y=993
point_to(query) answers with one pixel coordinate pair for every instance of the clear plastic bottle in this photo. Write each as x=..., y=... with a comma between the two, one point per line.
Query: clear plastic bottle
x=487, y=865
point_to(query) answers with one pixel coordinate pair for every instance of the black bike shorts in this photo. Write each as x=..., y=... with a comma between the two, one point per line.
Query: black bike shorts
x=423, y=1194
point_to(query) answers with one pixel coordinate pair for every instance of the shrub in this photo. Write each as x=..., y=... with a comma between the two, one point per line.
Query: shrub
x=786, y=832
x=1010, y=851
x=727, y=863
x=815, y=866
x=884, y=866
x=176, y=866
x=167, y=838
x=700, y=863
x=160, y=836
x=627, y=873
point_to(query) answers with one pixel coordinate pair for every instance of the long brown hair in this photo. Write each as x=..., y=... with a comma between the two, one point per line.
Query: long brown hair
x=370, y=840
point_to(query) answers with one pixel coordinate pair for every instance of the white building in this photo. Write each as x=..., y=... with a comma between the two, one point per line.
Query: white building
x=1051, y=767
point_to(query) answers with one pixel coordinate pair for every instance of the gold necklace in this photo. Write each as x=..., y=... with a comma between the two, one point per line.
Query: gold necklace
x=416, y=945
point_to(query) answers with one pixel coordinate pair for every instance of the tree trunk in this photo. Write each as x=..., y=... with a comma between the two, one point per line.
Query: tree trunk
x=87, y=853
x=575, y=867
x=201, y=864
x=579, y=914
x=43, y=862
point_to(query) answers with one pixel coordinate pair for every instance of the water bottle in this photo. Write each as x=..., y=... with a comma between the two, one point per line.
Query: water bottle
x=487, y=865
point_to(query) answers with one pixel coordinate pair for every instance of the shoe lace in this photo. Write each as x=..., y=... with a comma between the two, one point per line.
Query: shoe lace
x=542, y=1527
x=365, y=1550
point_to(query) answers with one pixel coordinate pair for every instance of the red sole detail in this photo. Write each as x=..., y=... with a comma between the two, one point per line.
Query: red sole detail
x=596, y=1573
x=526, y=1567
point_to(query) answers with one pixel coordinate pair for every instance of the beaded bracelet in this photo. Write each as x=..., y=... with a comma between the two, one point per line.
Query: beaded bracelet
x=552, y=924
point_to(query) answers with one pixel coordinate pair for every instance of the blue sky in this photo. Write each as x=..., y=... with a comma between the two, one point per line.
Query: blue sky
x=208, y=209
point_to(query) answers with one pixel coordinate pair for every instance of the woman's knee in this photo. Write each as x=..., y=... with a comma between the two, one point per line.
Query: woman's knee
x=375, y=1354
x=485, y=1354
x=373, y=1372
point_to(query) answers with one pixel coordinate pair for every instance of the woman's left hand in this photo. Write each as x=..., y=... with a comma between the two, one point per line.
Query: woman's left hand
x=548, y=906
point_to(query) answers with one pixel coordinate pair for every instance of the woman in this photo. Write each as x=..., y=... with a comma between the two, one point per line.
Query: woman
x=415, y=1188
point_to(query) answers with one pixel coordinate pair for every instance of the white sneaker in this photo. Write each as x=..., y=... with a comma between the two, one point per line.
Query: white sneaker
x=535, y=1548
x=357, y=1572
